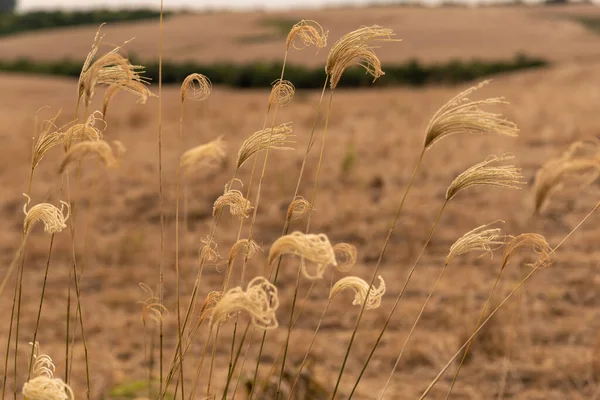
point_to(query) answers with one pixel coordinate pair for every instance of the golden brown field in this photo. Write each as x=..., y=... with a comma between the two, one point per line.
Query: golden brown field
x=543, y=344
x=429, y=35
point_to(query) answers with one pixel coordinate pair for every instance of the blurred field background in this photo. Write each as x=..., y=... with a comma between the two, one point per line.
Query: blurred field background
x=543, y=345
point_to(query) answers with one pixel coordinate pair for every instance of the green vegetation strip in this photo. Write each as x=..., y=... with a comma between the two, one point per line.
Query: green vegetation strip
x=260, y=75
x=11, y=23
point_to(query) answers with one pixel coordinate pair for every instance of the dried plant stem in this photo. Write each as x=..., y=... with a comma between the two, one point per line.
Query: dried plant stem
x=412, y=330
x=493, y=312
x=177, y=277
x=212, y=361
x=287, y=222
x=479, y=320
x=375, y=272
x=312, y=202
x=199, y=369
x=18, y=294
x=160, y=200
x=289, y=332
x=312, y=341
x=237, y=356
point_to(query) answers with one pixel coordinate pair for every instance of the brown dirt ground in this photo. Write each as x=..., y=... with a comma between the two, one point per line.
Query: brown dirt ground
x=551, y=333
x=429, y=35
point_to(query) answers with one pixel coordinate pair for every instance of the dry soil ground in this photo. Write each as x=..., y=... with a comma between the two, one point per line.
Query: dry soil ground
x=542, y=346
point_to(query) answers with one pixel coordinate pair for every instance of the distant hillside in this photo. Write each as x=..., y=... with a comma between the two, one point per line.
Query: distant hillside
x=430, y=35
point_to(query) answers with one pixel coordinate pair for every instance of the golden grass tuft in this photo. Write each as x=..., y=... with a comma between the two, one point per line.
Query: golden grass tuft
x=479, y=239
x=248, y=247
x=43, y=385
x=109, y=69
x=276, y=138
x=346, y=255
x=360, y=288
x=461, y=115
x=578, y=166
x=355, y=48
x=238, y=205
x=211, y=300
x=54, y=218
x=308, y=33
x=313, y=248
x=49, y=137
x=196, y=87
x=260, y=301
x=203, y=156
x=298, y=208
x=507, y=176
x=99, y=148
x=537, y=242
x=136, y=87
x=85, y=131
x=282, y=93
x=151, y=307
x=208, y=251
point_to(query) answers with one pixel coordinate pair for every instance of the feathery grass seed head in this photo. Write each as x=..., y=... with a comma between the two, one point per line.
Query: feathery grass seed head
x=298, y=208
x=43, y=385
x=49, y=137
x=309, y=33
x=355, y=48
x=282, y=93
x=313, y=248
x=360, y=288
x=238, y=205
x=151, y=307
x=85, y=131
x=461, y=115
x=537, y=242
x=275, y=139
x=507, y=176
x=346, y=255
x=138, y=88
x=203, y=156
x=208, y=251
x=196, y=87
x=576, y=167
x=479, y=239
x=54, y=218
x=246, y=246
x=99, y=148
x=260, y=301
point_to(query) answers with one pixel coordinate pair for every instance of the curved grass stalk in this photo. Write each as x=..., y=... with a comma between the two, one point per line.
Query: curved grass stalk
x=375, y=272
x=493, y=312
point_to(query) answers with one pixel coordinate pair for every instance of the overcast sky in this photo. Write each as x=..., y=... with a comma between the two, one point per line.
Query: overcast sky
x=191, y=4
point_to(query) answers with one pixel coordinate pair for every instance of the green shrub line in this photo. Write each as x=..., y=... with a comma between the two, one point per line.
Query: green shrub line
x=12, y=23
x=260, y=75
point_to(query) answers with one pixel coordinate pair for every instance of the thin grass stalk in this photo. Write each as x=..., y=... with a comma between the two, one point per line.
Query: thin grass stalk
x=412, y=330
x=37, y=322
x=160, y=201
x=519, y=285
x=479, y=320
x=199, y=369
x=439, y=375
x=287, y=221
x=312, y=341
x=375, y=272
x=177, y=278
x=212, y=361
x=19, y=281
x=237, y=356
x=289, y=332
